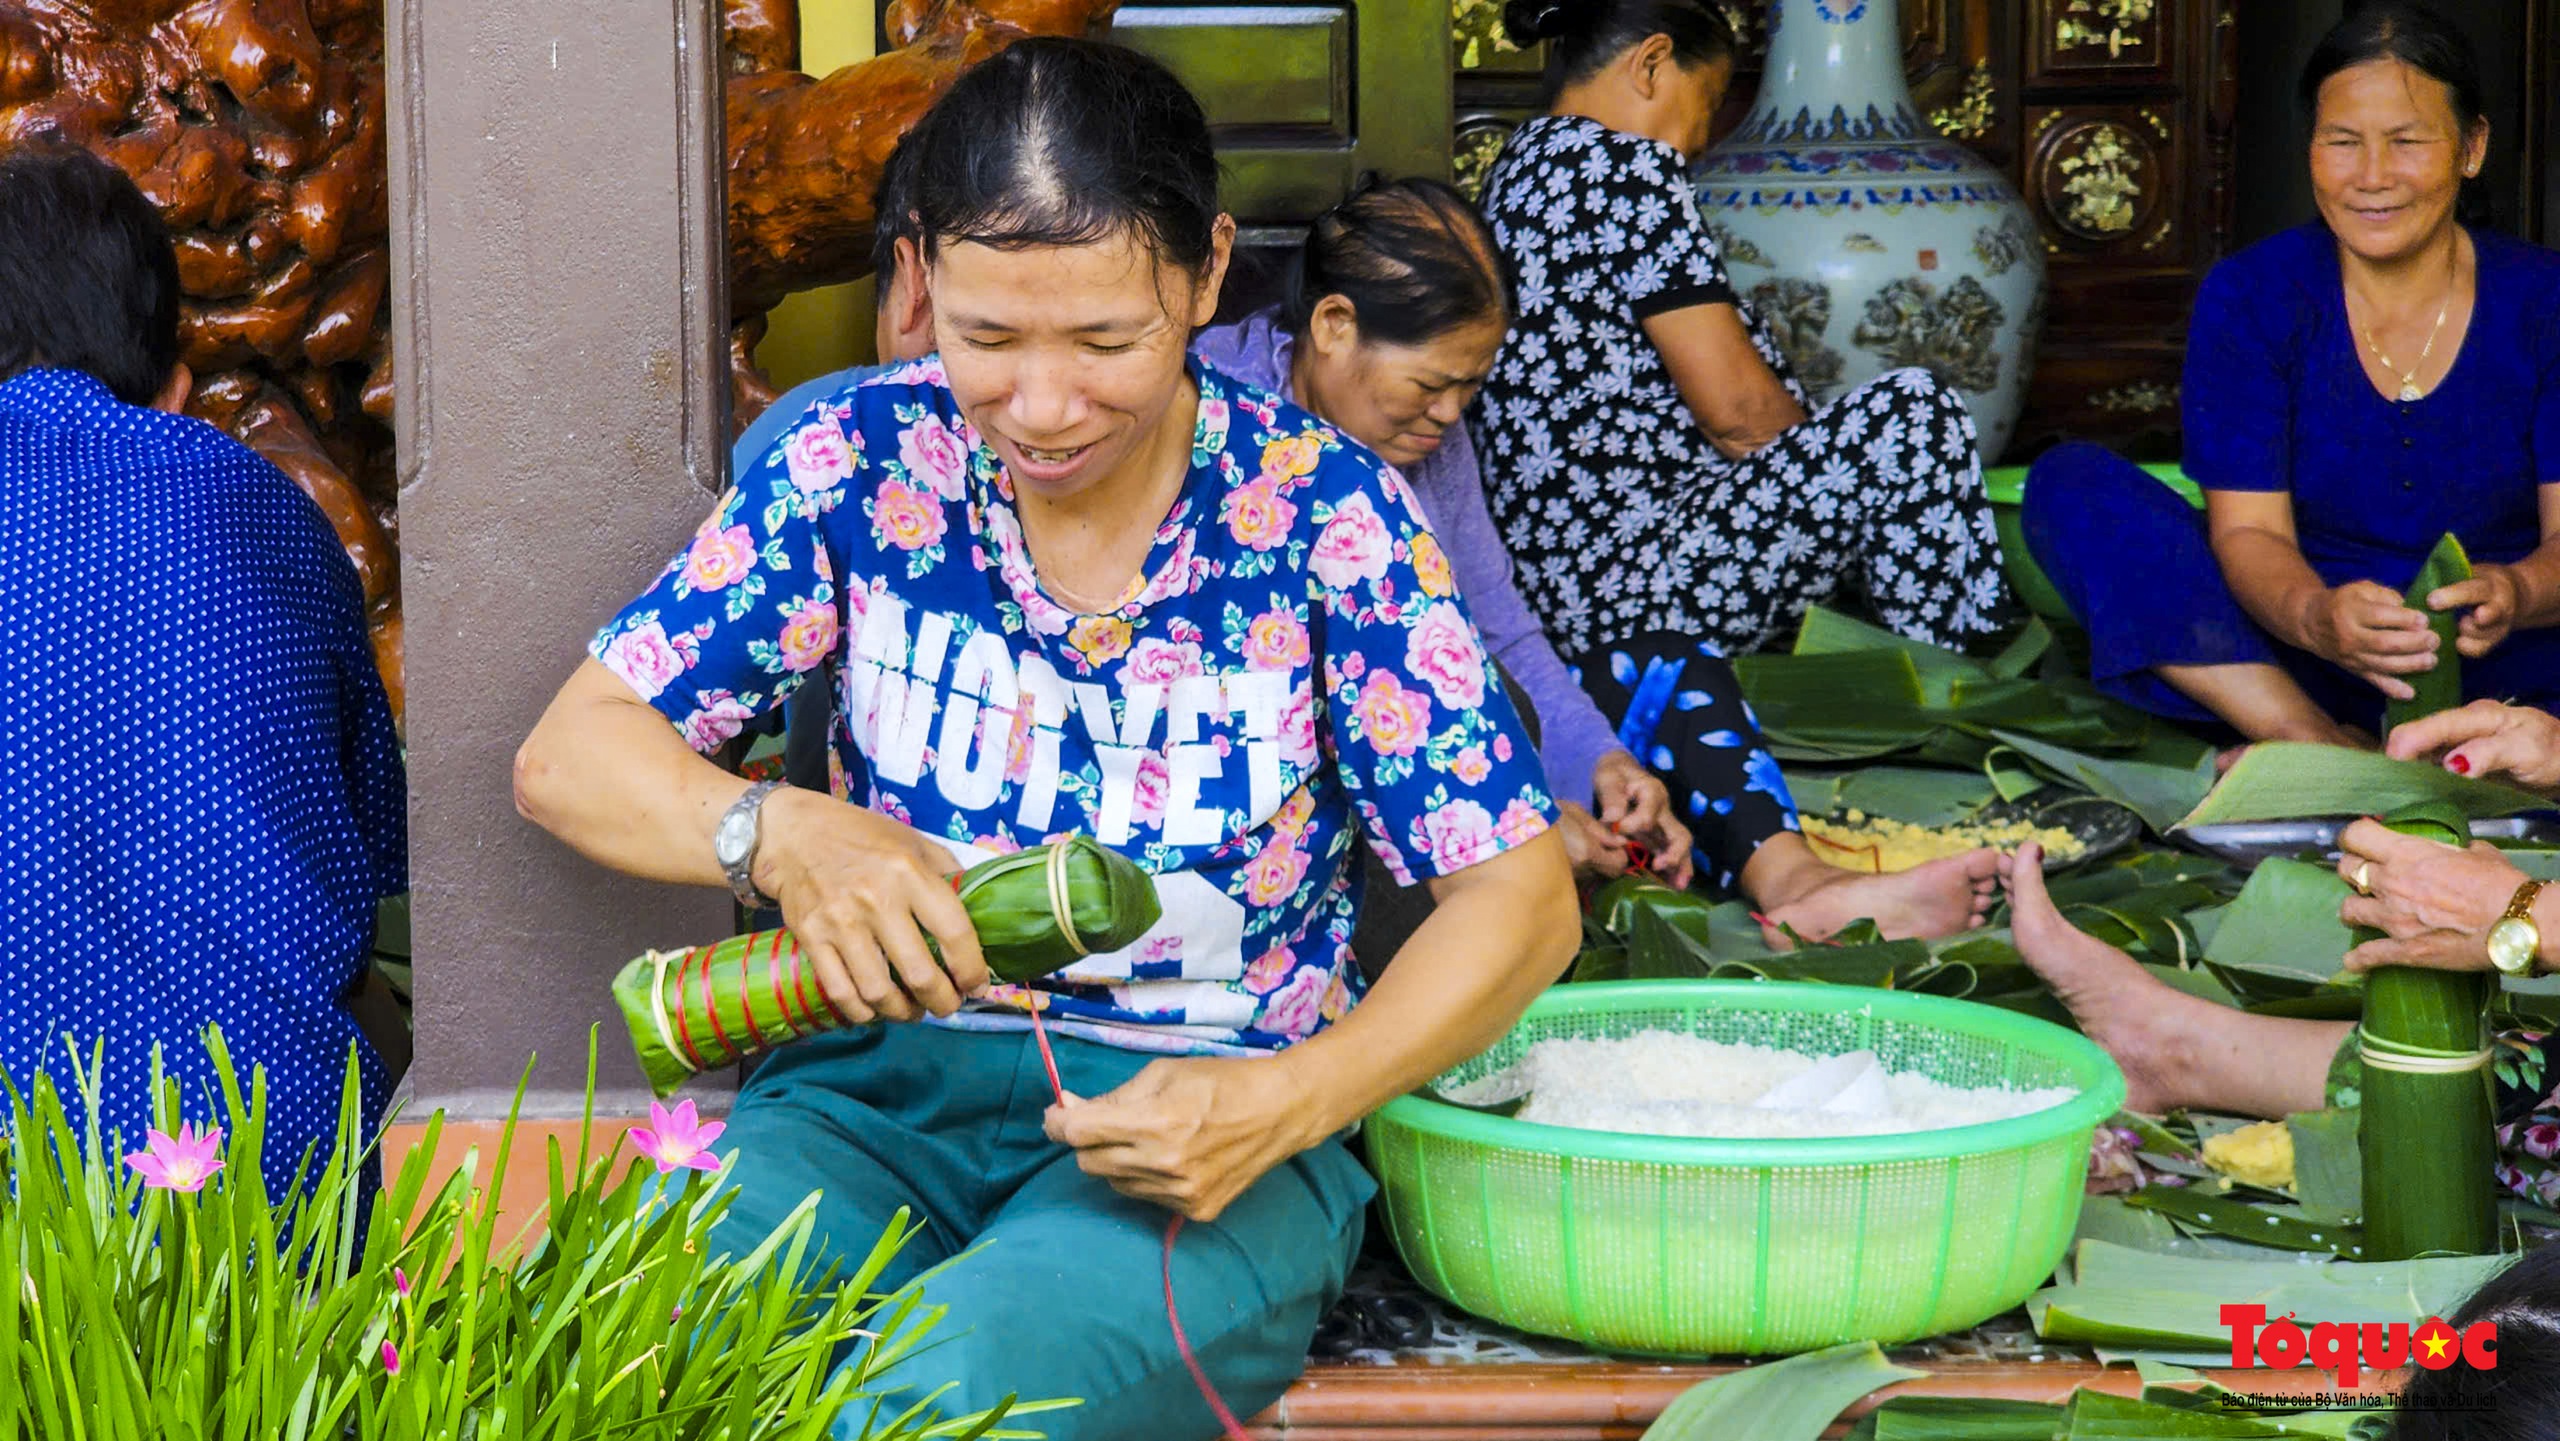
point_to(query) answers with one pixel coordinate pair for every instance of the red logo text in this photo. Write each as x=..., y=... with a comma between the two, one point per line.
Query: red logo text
x=2349, y=1349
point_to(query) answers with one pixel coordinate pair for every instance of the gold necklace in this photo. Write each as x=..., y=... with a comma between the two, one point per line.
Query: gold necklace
x=2409, y=390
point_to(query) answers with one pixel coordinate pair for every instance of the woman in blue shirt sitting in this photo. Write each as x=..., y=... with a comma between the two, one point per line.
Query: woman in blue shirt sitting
x=2355, y=389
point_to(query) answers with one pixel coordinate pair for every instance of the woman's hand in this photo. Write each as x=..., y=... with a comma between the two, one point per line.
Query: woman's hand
x=1635, y=804
x=2364, y=627
x=862, y=891
x=2493, y=596
x=1191, y=1134
x=2487, y=738
x=1593, y=848
x=2433, y=903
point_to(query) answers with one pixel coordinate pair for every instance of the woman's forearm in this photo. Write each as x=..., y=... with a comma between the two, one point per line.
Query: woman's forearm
x=2272, y=582
x=1499, y=933
x=2537, y=579
x=607, y=774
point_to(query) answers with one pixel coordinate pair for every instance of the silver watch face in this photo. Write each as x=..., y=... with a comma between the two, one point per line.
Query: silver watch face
x=2512, y=944
x=735, y=838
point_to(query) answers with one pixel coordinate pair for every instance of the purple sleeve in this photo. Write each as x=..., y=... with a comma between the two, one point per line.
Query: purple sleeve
x=1573, y=735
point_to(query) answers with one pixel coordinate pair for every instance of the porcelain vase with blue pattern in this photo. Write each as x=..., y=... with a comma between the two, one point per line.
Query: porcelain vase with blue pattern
x=1864, y=239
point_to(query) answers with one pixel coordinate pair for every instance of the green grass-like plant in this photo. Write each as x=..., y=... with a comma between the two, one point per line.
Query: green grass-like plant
x=178, y=1293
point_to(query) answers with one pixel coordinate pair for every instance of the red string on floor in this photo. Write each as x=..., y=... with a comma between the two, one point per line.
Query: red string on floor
x=1229, y=1427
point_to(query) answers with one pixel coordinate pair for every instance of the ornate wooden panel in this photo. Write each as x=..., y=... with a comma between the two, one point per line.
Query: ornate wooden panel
x=2106, y=182
x=2114, y=41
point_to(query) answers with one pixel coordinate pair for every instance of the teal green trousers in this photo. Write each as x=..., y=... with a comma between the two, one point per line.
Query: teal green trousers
x=1064, y=1293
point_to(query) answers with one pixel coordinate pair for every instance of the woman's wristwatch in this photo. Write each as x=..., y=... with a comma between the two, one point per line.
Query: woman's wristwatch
x=2515, y=941
x=741, y=832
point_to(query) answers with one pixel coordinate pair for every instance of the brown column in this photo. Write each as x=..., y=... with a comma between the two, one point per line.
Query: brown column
x=557, y=326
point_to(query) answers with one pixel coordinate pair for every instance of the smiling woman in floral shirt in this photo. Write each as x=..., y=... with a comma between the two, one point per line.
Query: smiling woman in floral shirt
x=1075, y=583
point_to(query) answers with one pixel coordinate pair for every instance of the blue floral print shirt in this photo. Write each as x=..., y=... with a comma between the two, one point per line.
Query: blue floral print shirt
x=1291, y=665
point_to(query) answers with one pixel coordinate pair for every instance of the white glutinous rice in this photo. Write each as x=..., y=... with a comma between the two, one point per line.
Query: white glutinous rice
x=1661, y=1083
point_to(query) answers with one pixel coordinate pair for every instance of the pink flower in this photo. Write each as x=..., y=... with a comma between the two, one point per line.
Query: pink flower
x=182, y=1163
x=1273, y=875
x=1354, y=666
x=1442, y=651
x=719, y=558
x=1275, y=641
x=645, y=659
x=1160, y=662
x=808, y=635
x=936, y=457
x=390, y=1358
x=817, y=454
x=1213, y=416
x=1501, y=747
x=1295, y=812
x=1258, y=515
x=2541, y=1140
x=1471, y=767
x=1353, y=546
x=716, y=721
x=1295, y=456
x=1337, y=998
x=1155, y=786
x=400, y=1279
x=1298, y=727
x=1295, y=1008
x=1394, y=719
x=907, y=519
x=1520, y=820
x=1268, y=970
x=678, y=1139
x=1457, y=836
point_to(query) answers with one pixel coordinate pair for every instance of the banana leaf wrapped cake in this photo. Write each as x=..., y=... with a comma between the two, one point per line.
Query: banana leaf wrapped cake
x=1036, y=912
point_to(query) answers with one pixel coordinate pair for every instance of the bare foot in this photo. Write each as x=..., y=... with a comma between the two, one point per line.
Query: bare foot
x=1938, y=898
x=2144, y=1023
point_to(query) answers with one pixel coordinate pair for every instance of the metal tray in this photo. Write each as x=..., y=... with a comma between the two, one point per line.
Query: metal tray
x=2249, y=842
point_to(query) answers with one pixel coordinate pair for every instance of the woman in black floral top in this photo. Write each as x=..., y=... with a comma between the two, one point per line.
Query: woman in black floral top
x=1652, y=461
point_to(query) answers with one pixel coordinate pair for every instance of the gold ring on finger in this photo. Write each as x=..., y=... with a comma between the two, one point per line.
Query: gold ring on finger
x=2363, y=879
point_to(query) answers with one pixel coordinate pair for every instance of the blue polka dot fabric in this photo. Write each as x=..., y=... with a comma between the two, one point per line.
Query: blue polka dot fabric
x=201, y=797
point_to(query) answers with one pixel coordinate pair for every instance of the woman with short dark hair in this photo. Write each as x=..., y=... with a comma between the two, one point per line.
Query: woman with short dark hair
x=1079, y=584
x=2355, y=389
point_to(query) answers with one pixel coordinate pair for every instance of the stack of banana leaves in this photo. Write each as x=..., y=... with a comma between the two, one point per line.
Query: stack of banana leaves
x=1868, y=721
x=1803, y=1397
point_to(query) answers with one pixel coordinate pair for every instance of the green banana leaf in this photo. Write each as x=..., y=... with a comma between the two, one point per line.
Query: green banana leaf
x=2166, y=779
x=2105, y=1416
x=2295, y=780
x=1796, y=1399
x=2011, y=774
x=2282, y=937
x=2166, y=1385
x=2439, y=688
x=1958, y=1418
x=1849, y=706
x=2328, y=1168
x=2140, y=1300
x=1826, y=632
x=1919, y=795
x=2282, y=1228
x=2059, y=712
x=2023, y=650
